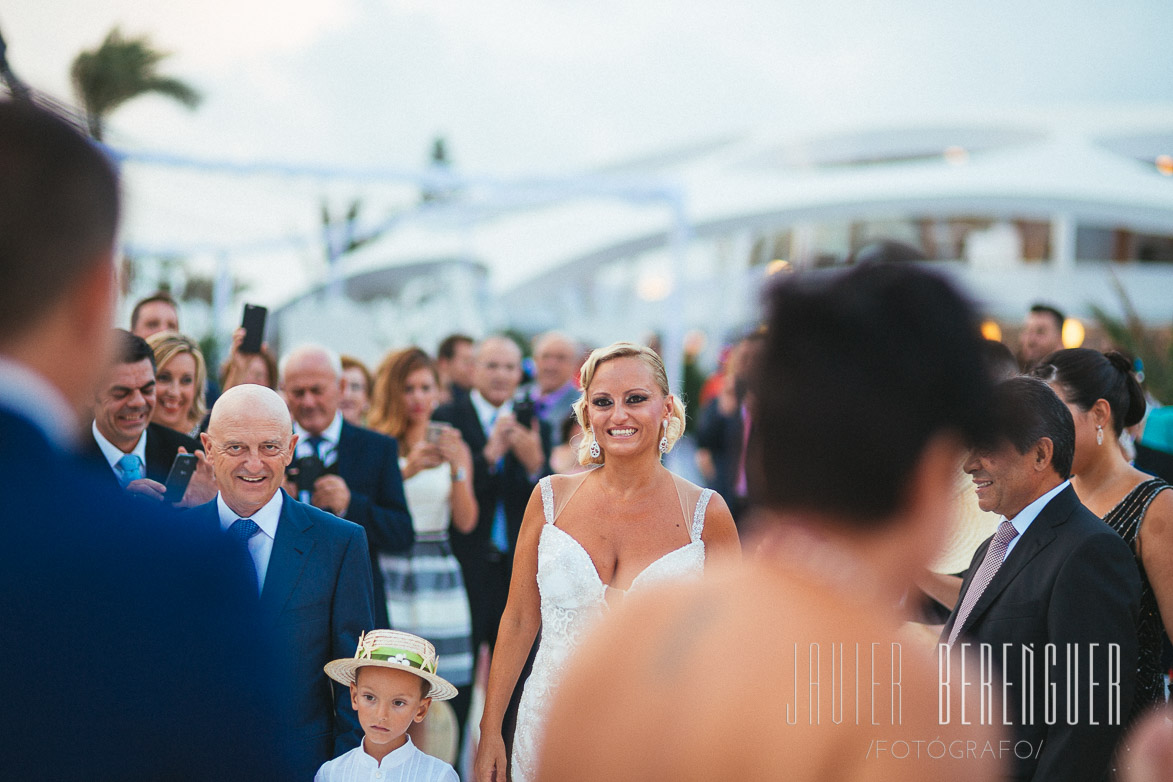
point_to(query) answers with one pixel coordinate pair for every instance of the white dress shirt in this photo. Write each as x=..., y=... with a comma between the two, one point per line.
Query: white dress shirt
x=486, y=413
x=406, y=764
x=113, y=453
x=1029, y=514
x=260, y=546
x=327, y=449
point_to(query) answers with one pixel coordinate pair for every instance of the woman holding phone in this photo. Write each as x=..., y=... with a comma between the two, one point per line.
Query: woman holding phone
x=179, y=382
x=179, y=405
x=423, y=587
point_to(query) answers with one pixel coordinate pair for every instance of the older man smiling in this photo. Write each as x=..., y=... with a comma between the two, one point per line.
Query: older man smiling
x=312, y=568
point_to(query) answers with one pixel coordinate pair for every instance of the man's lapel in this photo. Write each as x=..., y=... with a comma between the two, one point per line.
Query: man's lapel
x=1040, y=534
x=291, y=548
x=478, y=437
x=151, y=451
x=155, y=452
x=344, y=451
x=206, y=515
x=91, y=453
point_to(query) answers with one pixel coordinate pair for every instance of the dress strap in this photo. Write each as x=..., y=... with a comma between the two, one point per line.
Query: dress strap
x=1146, y=493
x=547, y=499
x=698, y=516
x=567, y=486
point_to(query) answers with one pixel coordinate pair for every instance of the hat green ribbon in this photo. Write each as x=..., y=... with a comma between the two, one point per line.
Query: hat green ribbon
x=401, y=656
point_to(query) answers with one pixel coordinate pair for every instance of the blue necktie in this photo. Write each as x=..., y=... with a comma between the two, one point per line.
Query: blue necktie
x=242, y=530
x=499, y=532
x=130, y=468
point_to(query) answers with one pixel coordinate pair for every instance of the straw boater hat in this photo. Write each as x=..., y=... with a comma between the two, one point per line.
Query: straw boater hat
x=969, y=526
x=393, y=649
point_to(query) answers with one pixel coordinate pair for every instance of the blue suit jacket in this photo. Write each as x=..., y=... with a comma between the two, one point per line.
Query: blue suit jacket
x=119, y=620
x=369, y=463
x=315, y=601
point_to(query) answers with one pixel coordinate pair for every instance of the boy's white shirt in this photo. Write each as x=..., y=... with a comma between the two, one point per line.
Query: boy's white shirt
x=406, y=764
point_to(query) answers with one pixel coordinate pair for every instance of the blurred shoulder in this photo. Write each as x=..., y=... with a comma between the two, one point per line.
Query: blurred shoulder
x=449, y=411
x=741, y=676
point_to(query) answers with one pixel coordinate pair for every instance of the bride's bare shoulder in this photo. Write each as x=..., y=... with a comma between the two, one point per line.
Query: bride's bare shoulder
x=562, y=483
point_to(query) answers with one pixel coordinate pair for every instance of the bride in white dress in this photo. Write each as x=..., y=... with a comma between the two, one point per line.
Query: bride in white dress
x=587, y=539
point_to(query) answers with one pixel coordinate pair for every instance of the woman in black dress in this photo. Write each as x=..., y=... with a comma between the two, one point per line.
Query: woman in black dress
x=1104, y=398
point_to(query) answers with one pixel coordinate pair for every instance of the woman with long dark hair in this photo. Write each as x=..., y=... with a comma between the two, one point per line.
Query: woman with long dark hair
x=1104, y=399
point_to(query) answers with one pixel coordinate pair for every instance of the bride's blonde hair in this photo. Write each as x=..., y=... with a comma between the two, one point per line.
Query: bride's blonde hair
x=652, y=361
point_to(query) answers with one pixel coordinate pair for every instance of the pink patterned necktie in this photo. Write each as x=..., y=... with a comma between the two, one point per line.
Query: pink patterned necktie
x=993, y=560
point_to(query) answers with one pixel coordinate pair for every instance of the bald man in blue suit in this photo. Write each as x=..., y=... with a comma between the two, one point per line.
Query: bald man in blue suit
x=312, y=570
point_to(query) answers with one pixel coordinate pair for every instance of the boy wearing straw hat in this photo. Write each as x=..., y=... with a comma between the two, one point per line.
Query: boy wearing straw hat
x=392, y=679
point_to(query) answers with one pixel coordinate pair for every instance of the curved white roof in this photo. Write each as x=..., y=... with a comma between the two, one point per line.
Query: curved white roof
x=1088, y=164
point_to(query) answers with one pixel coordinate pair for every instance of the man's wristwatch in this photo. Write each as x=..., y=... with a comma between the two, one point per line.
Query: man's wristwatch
x=459, y=475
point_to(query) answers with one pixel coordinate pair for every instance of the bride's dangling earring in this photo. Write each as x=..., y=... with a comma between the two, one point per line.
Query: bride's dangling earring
x=1100, y=435
x=664, y=439
x=596, y=451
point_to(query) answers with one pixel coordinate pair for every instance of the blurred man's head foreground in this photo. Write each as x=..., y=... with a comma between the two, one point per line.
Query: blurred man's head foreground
x=859, y=373
x=59, y=211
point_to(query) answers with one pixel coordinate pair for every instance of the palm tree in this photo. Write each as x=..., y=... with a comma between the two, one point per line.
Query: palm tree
x=118, y=70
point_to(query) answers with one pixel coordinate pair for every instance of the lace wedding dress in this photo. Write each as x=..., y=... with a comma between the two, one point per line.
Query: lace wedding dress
x=573, y=596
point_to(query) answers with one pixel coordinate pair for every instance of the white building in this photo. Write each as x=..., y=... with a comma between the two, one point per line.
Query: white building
x=1060, y=207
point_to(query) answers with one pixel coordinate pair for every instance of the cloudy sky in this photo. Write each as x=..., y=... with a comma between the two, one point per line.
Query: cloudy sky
x=558, y=86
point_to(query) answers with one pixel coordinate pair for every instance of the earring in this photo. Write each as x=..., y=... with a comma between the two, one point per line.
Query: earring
x=596, y=451
x=1100, y=435
x=664, y=439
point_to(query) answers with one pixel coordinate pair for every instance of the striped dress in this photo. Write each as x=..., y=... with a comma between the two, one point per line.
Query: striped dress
x=424, y=589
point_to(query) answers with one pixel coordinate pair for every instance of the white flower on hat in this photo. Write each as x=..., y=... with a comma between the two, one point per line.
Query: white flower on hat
x=401, y=659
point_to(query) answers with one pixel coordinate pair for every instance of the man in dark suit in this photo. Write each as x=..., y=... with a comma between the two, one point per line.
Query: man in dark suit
x=138, y=629
x=312, y=570
x=361, y=481
x=1053, y=574
x=509, y=457
x=137, y=453
x=455, y=365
